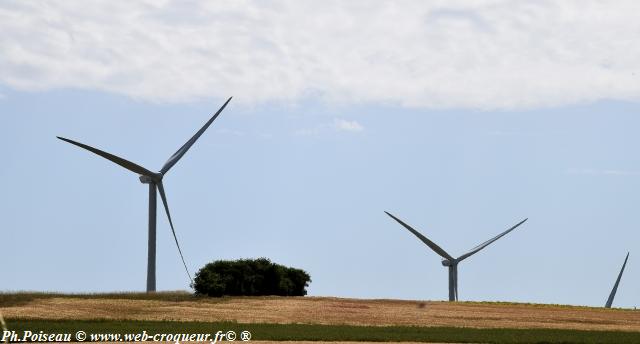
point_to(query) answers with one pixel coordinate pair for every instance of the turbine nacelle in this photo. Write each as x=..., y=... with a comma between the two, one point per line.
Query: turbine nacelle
x=156, y=178
x=447, y=262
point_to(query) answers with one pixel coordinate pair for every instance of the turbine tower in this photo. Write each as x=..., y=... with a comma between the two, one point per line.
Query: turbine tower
x=615, y=285
x=154, y=179
x=447, y=260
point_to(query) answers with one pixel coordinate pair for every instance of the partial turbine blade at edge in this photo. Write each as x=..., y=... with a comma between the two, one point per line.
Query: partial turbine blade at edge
x=180, y=152
x=488, y=242
x=615, y=286
x=437, y=249
x=166, y=208
x=118, y=160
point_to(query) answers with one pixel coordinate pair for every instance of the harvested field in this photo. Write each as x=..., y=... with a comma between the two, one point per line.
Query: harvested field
x=327, y=311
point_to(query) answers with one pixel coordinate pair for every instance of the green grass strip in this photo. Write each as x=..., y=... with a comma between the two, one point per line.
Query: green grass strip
x=331, y=332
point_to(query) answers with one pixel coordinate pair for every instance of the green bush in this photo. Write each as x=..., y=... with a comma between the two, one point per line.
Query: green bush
x=250, y=277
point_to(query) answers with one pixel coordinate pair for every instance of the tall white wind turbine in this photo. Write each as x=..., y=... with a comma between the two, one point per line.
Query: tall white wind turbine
x=154, y=179
x=448, y=260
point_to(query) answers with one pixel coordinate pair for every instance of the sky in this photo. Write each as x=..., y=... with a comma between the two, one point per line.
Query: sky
x=461, y=118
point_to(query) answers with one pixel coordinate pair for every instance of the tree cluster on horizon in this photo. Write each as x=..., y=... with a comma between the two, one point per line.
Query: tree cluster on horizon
x=250, y=277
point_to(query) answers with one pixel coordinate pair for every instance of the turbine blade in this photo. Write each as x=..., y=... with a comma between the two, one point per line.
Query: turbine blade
x=424, y=239
x=166, y=208
x=118, y=160
x=486, y=243
x=615, y=286
x=180, y=152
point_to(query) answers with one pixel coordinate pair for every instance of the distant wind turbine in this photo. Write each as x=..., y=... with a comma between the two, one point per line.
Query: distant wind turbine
x=615, y=285
x=154, y=179
x=447, y=259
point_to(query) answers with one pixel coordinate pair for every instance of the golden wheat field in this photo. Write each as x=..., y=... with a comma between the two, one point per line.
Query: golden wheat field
x=329, y=311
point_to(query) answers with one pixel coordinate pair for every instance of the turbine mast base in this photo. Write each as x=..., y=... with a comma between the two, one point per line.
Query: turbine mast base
x=151, y=249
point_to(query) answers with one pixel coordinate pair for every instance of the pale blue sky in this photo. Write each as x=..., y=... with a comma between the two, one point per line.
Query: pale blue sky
x=317, y=144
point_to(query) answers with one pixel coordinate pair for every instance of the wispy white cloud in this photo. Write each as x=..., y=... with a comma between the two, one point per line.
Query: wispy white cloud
x=601, y=172
x=344, y=125
x=472, y=54
x=338, y=125
x=308, y=131
x=510, y=133
x=226, y=131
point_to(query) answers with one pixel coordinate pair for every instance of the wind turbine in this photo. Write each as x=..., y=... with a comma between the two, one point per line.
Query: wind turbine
x=447, y=259
x=615, y=285
x=154, y=179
